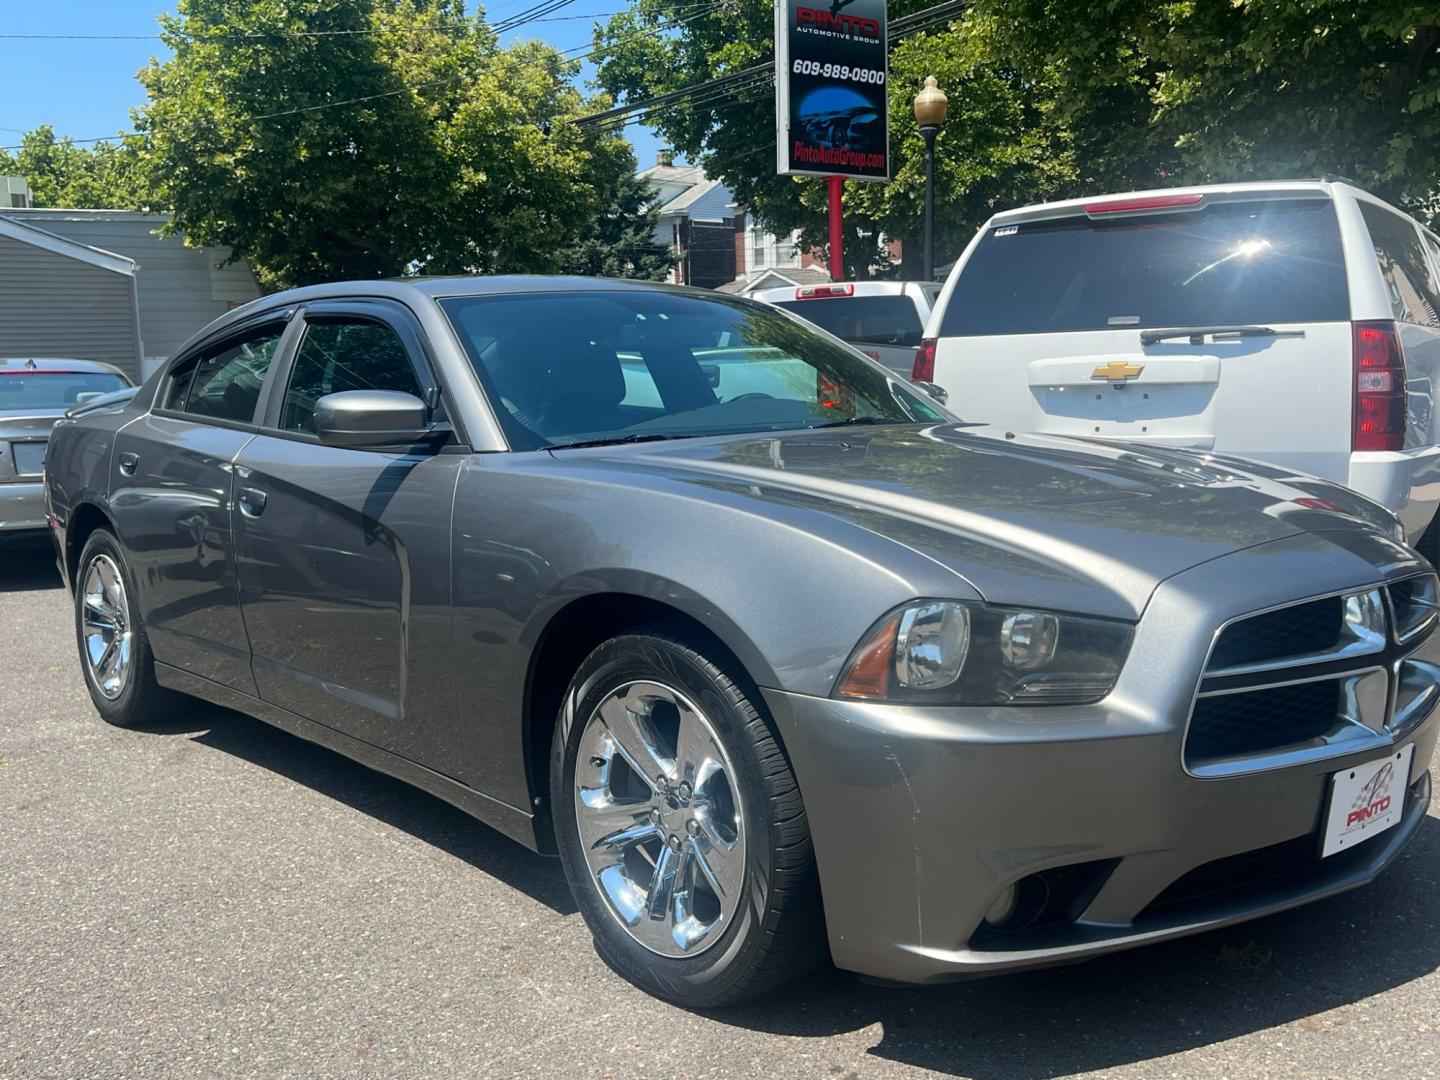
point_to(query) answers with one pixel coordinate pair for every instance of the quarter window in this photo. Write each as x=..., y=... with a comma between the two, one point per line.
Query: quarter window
x=1414, y=294
x=344, y=354
x=224, y=383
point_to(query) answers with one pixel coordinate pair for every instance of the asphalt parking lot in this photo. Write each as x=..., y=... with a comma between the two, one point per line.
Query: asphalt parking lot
x=217, y=898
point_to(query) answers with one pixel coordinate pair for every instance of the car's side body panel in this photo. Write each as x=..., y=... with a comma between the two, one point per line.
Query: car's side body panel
x=173, y=513
x=536, y=532
x=345, y=586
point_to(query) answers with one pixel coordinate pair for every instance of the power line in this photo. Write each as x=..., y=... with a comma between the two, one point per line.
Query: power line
x=900, y=28
x=592, y=51
x=499, y=26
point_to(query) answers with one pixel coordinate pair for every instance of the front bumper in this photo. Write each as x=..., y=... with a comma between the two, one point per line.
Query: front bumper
x=923, y=817
x=22, y=507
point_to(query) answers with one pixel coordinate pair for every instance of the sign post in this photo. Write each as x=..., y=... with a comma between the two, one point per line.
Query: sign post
x=831, y=114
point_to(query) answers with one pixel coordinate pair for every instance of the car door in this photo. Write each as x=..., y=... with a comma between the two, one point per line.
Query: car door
x=171, y=493
x=344, y=553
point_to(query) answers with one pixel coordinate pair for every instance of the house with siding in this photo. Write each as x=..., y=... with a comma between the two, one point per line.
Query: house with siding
x=697, y=222
x=65, y=299
x=178, y=289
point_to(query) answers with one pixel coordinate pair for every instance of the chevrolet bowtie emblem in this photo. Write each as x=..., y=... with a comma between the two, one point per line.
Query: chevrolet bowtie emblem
x=1117, y=371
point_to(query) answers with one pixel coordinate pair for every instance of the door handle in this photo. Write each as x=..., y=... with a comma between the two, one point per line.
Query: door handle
x=252, y=501
x=129, y=462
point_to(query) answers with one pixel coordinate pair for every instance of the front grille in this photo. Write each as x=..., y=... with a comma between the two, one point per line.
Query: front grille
x=1234, y=725
x=1298, y=630
x=1317, y=678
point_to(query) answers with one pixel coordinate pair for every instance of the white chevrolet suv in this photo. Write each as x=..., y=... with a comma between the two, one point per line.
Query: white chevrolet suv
x=1296, y=323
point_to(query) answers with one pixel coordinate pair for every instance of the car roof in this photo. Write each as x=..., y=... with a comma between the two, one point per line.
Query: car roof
x=59, y=364
x=441, y=288
x=1325, y=188
x=862, y=288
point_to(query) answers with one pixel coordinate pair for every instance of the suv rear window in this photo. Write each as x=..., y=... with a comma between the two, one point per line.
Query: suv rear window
x=1276, y=261
x=869, y=320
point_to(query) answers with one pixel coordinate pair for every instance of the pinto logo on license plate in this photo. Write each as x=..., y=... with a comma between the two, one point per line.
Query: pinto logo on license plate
x=1366, y=800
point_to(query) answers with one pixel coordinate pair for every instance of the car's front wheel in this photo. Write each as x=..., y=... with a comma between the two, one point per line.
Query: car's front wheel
x=680, y=825
x=114, y=650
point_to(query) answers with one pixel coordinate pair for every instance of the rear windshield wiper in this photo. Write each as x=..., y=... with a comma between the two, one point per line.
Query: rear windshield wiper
x=1197, y=334
x=616, y=440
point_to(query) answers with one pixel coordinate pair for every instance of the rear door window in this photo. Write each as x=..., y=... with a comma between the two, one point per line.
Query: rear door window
x=1409, y=281
x=224, y=382
x=1262, y=262
x=869, y=320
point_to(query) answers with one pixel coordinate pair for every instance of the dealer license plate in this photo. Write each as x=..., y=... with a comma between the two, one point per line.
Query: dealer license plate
x=1366, y=800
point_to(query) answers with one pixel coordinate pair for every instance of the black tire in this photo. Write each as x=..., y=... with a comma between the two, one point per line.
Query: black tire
x=142, y=700
x=777, y=932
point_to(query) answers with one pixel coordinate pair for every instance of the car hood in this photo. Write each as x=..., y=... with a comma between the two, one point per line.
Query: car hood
x=1071, y=524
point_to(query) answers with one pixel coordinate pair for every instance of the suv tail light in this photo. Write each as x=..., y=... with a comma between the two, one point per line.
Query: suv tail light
x=1379, y=387
x=923, y=369
x=818, y=292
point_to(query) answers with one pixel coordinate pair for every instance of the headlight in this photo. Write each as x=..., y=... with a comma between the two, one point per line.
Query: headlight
x=949, y=652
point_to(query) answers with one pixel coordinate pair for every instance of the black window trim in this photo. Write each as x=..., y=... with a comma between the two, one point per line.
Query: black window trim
x=218, y=342
x=395, y=317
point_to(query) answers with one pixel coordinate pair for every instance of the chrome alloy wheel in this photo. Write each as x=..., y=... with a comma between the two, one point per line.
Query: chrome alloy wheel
x=109, y=645
x=657, y=805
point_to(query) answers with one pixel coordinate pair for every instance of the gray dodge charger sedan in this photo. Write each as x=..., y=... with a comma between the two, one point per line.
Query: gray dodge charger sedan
x=779, y=658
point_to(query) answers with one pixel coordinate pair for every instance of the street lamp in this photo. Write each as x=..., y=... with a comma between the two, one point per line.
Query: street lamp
x=930, y=105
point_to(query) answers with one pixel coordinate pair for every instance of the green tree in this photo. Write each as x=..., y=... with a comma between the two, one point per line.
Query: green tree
x=1248, y=89
x=325, y=139
x=61, y=173
x=618, y=240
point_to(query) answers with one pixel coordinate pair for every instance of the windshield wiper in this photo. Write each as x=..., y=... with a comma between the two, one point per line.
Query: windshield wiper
x=616, y=440
x=1197, y=334
x=856, y=421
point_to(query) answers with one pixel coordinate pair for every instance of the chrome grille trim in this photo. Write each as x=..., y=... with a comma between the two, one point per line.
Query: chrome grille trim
x=1385, y=689
x=1352, y=639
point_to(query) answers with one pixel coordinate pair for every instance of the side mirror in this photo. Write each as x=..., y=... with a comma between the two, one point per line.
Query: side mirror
x=939, y=393
x=371, y=418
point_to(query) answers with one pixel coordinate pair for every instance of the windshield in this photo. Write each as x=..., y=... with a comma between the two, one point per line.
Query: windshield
x=21, y=390
x=573, y=367
x=869, y=320
x=1230, y=264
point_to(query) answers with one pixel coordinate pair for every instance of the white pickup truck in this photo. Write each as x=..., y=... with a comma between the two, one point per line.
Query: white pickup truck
x=1295, y=323
x=883, y=319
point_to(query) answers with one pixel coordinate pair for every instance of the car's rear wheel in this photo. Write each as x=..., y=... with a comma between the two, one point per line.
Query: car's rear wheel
x=680, y=825
x=119, y=670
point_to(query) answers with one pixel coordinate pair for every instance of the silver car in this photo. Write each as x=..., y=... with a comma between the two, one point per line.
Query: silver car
x=34, y=393
x=779, y=658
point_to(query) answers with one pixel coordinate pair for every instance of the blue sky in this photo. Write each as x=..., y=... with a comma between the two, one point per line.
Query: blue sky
x=87, y=88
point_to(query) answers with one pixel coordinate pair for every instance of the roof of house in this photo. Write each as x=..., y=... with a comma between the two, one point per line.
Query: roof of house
x=672, y=174
x=773, y=278
x=40, y=238
x=689, y=197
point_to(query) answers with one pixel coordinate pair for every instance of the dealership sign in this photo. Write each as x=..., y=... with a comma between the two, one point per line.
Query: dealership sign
x=830, y=100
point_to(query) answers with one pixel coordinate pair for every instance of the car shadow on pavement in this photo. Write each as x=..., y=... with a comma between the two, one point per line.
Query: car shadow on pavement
x=28, y=565
x=1292, y=968
x=383, y=798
